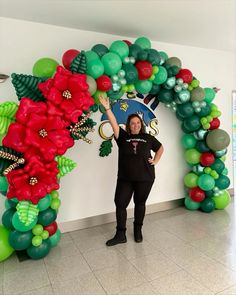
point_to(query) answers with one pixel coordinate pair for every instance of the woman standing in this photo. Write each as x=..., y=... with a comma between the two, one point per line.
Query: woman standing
x=136, y=171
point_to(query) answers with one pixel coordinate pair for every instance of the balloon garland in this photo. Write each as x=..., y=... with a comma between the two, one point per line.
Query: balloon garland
x=54, y=110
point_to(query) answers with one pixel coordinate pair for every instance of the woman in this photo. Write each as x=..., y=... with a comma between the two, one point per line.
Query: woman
x=136, y=171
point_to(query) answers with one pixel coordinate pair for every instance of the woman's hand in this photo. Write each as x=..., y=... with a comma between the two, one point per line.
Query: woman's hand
x=104, y=102
x=151, y=161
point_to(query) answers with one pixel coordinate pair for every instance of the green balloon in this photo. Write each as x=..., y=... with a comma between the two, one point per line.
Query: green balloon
x=44, y=203
x=207, y=205
x=20, y=240
x=155, y=89
x=120, y=47
x=205, y=111
x=188, y=141
x=218, y=166
x=154, y=56
x=37, y=230
x=161, y=76
x=37, y=241
x=94, y=108
x=100, y=49
x=134, y=50
x=206, y=182
x=97, y=94
x=45, y=235
x=7, y=218
x=225, y=171
x=143, y=42
x=115, y=94
x=40, y=251
x=209, y=94
x=185, y=110
x=202, y=147
x=174, y=61
x=55, y=204
x=47, y=216
x=190, y=204
x=112, y=63
x=95, y=68
x=209, y=193
x=131, y=73
x=92, y=85
x=222, y=182
x=197, y=94
x=198, y=169
x=163, y=56
x=218, y=139
x=222, y=200
x=20, y=226
x=91, y=55
x=45, y=67
x=10, y=204
x=3, y=184
x=166, y=95
x=192, y=123
x=54, y=239
x=190, y=180
x=143, y=86
x=192, y=156
x=5, y=248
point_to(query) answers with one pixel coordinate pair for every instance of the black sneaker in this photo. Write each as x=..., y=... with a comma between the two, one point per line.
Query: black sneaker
x=119, y=238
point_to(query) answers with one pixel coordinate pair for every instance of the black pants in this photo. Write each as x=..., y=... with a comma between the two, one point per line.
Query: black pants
x=124, y=191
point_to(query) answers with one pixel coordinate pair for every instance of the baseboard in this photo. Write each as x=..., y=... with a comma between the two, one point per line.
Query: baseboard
x=231, y=191
x=110, y=217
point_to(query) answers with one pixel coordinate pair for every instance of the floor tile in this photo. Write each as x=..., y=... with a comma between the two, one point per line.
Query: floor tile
x=65, y=249
x=228, y=291
x=145, y=289
x=42, y=291
x=85, y=244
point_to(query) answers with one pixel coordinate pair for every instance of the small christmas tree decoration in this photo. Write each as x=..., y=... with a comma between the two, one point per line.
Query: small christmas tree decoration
x=7, y=115
x=65, y=165
x=79, y=64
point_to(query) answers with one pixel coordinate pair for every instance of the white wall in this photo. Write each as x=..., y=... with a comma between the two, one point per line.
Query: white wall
x=89, y=189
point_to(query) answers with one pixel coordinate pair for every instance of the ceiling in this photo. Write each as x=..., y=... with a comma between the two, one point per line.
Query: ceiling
x=201, y=23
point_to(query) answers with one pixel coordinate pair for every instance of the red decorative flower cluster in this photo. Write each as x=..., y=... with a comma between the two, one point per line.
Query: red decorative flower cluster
x=41, y=133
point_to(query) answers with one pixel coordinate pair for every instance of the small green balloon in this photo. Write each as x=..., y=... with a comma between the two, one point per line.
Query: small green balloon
x=190, y=180
x=134, y=50
x=209, y=95
x=37, y=241
x=47, y=216
x=218, y=166
x=5, y=248
x=20, y=240
x=45, y=67
x=164, y=57
x=3, y=184
x=45, y=234
x=192, y=123
x=166, y=95
x=161, y=76
x=7, y=218
x=131, y=73
x=222, y=200
x=91, y=55
x=97, y=94
x=190, y=204
x=192, y=156
x=115, y=95
x=44, y=203
x=120, y=48
x=143, y=42
x=143, y=86
x=54, y=194
x=55, y=204
x=207, y=205
x=37, y=230
x=188, y=141
x=222, y=182
x=185, y=110
x=112, y=63
x=201, y=146
x=54, y=239
x=100, y=49
x=206, y=182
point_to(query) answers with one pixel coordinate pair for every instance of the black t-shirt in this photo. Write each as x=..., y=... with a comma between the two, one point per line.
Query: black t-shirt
x=134, y=152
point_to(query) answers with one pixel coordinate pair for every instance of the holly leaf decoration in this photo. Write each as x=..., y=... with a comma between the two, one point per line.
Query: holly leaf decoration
x=27, y=86
x=65, y=165
x=7, y=115
x=89, y=123
x=105, y=148
x=79, y=64
x=27, y=212
x=6, y=157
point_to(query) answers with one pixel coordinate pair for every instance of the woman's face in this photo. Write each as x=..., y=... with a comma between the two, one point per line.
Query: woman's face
x=135, y=125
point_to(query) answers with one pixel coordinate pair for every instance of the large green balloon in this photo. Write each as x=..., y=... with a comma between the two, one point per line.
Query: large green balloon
x=5, y=248
x=91, y=55
x=92, y=84
x=197, y=94
x=222, y=182
x=45, y=67
x=192, y=123
x=20, y=240
x=206, y=182
x=54, y=239
x=217, y=139
x=190, y=180
x=161, y=76
x=95, y=68
x=166, y=95
x=192, y=156
x=44, y=203
x=174, y=61
x=188, y=141
x=7, y=218
x=143, y=86
x=112, y=63
x=222, y=200
x=143, y=42
x=185, y=110
x=100, y=49
x=209, y=94
x=47, y=216
x=190, y=204
x=218, y=166
x=121, y=48
x=20, y=226
x=134, y=50
x=207, y=205
x=40, y=251
x=131, y=73
x=3, y=184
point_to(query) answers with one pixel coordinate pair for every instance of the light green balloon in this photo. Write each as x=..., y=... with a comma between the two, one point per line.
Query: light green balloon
x=45, y=67
x=37, y=230
x=95, y=68
x=55, y=204
x=206, y=182
x=92, y=84
x=190, y=204
x=143, y=86
x=97, y=94
x=143, y=42
x=121, y=48
x=37, y=241
x=161, y=76
x=190, y=180
x=91, y=55
x=209, y=95
x=188, y=141
x=112, y=63
x=5, y=248
x=44, y=203
x=192, y=156
x=3, y=184
x=54, y=239
x=222, y=200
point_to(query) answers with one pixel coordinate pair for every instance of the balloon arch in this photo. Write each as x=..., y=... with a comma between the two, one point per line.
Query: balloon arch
x=54, y=111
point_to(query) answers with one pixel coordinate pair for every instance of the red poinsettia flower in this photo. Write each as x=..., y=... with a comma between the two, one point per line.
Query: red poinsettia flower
x=68, y=92
x=39, y=131
x=34, y=181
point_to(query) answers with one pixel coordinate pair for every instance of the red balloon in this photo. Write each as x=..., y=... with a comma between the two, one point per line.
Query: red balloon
x=68, y=57
x=51, y=228
x=197, y=194
x=104, y=83
x=207, y=159
x=144, y=69
x=215, y=123
x=127, y=42
x=186, y=75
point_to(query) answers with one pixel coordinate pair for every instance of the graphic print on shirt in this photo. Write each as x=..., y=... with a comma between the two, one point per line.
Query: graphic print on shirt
x=135, y=143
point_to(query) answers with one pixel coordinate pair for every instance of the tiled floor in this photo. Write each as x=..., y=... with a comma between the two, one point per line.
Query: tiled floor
x=183, y=253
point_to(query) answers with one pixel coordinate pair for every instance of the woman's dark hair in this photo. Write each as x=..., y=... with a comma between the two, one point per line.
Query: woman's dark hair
x=130, y=117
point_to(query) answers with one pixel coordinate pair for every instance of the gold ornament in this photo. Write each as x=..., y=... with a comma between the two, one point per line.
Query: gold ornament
x=67, y=94
x=76, y=129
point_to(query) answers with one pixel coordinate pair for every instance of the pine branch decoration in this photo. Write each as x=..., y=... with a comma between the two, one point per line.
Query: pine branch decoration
x=65, y=165
x=79, y=64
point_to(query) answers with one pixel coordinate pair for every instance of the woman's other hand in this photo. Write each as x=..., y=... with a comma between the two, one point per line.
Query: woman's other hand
x=104, y=102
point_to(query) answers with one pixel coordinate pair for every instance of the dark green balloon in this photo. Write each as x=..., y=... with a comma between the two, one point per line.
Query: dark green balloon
x=222, y=182
x=134, y=49
x=166, y=95
x=201, y=146
x=40, y=251
x=155, y=89
x=94, y=108
x=192, y=123
x=185, y=110
x=20, y=240
x=115, y=94
x=205, y=111
x=209, y=194
x=100, y=49
x=47, y=216
x=179, y=117
x=11, y=203
x=142, y=55
x=7, y=218
x=131, y=73
x=153, y=56
x=218, y=166
x=207, y=205
x=172, y=71
x=185, y=130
